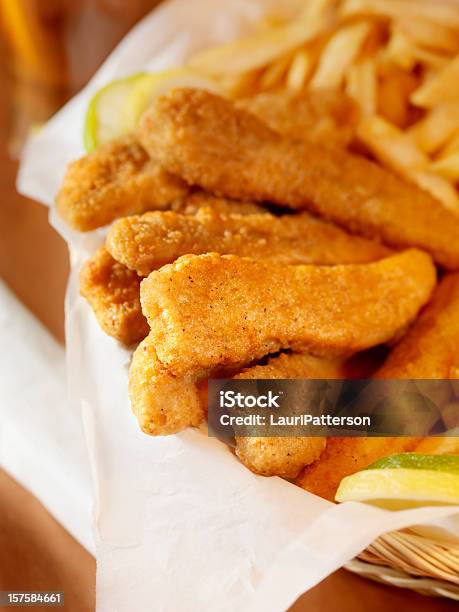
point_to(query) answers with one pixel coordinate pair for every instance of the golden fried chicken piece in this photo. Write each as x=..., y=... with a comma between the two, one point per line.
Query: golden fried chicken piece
x=209, y=142
x=430, y=349
x=212, y=310
x=325, y=116
x=146, y=242
x=115, y=180
x=281, y=456
x=113, y=292
x=163, y=403
x=285, y=456
x=345, y=456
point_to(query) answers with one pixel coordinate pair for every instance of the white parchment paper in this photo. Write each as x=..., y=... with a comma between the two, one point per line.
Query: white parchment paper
x=180, y=524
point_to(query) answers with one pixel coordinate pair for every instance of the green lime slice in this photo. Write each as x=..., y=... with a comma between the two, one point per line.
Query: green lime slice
x=115, y=109
x=106, y=114
x=416, y=461
x=403, y=481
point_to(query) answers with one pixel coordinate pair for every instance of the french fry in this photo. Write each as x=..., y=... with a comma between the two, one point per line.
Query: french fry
x=241, y=85
x=396, y=150
x=361, y=85
x=263, y=47
x=441, y=445
x=395, y=88
x=339, y=54
x=440, y=188
x=299, y=71
x=451, y=146
x=275, y=72
x=430, y=58
x=400, y=50
x=444, y=87
x=391, y=146
x=446, y=14
x=448, y=167
x=427, y=33
x=432, y=132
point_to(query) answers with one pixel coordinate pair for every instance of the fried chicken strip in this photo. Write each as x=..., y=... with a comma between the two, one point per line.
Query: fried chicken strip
x=211, y=310
x=113, y=292
x=163, y=403
x=115, y=180
x=325, y=116
x=430, y=350
x=345, y=456
x=145, y=242
x=285, y=456
x=209, y=142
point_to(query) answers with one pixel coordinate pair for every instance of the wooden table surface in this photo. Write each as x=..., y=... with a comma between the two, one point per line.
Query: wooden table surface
x=36, y=553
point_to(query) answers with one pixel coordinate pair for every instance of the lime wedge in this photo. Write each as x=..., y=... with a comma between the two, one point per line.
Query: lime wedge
x=115, y=109
x=417, y=461
x=405, y=481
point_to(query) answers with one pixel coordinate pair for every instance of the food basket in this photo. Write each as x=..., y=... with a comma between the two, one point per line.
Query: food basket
x=405, y=559
x=398, y=558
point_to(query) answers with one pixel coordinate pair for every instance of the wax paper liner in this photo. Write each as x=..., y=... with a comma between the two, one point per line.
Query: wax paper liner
x=180, y=524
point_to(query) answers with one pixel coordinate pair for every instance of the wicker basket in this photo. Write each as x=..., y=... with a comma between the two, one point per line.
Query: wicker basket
x=404, y=559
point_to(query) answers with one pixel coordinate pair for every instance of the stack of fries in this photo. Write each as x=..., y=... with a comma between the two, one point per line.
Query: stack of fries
x=398, y=59
x=203, y=267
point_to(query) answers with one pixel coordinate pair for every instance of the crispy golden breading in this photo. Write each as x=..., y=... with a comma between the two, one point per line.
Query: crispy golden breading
x=146, y=242
x=209, y=142
x=324, y=116
x=295, y=365
x=115, y=180
x=211, y=310
x=345, y=456
x=113, y=292
x=285, y=456
x=430, y=349
x=197, y=200
x=162, y=403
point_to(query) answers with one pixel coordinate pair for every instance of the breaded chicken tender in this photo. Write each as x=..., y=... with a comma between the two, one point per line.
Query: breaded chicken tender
x=146, y=242
x=163, y=403
x=345, y=456
x=285, y=456
x=113, y=292
x=212, y=310
x=430, y=349
x=115, y=180
x=209, y=142
x=325, y=116
x=281, y=456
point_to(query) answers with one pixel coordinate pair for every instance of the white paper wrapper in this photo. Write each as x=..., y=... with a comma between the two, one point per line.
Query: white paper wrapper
x=42, y=443
x=180, y=524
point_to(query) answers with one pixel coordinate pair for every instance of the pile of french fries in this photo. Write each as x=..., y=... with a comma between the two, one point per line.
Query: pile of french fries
x=398, y=59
